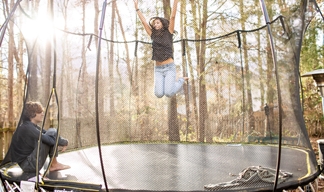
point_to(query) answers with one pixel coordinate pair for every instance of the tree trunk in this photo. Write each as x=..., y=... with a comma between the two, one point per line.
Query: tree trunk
x=111, y=61
x=247, y=75
x=11, y=70
x=185, y=64
x=197, y=29
x=203, y=115
x=172, y=104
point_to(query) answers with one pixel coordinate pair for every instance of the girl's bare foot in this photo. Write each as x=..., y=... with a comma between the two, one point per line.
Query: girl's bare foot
x=58, y=167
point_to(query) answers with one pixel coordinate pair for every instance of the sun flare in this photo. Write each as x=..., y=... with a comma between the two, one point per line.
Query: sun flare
x=41, y=29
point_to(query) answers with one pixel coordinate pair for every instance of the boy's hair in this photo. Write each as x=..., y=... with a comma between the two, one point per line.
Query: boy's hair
x=30, y=110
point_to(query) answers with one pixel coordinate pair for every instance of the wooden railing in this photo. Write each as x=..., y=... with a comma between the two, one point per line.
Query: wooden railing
x=6, y=132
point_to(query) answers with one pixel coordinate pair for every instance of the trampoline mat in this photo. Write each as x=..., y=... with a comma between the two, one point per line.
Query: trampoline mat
x=177, y=167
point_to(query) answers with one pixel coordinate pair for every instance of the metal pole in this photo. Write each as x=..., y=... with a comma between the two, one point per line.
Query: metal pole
x=96, y=90
x=5, y=24
x=274, y=58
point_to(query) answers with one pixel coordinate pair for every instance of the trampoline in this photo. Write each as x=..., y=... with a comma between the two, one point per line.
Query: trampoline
x=237, y=125
x=181, y=167
x=184, y=167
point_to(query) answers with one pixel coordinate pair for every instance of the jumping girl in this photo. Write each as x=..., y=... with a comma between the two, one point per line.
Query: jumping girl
x=161, y=32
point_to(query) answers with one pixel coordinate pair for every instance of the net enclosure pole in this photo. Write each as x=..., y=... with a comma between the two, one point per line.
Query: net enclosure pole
x=274, y=58
x=96, y=90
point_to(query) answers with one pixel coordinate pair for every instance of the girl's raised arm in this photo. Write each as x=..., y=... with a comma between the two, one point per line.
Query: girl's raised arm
x=142, y=18
x=173, y=15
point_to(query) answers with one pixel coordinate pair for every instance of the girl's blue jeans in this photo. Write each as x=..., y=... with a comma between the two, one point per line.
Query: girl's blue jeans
x=165, y=80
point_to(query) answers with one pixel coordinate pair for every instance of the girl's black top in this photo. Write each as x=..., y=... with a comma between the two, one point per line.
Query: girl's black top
x=162, y=44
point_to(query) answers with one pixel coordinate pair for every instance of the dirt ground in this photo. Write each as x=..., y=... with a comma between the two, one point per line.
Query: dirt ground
x=315, y=147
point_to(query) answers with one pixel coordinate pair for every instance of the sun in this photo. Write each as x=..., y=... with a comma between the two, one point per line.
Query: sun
x=41, y=29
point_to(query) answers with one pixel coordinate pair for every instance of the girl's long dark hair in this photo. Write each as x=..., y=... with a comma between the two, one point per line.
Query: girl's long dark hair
x=164, y=22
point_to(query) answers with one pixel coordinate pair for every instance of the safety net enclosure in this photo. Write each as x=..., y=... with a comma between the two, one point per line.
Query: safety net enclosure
x=236, y=125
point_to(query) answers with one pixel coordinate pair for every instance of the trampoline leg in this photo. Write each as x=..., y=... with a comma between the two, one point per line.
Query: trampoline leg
x=309, y=187
x=300, y=189
x=320, y=145
x=316, y=185
x=12, y=188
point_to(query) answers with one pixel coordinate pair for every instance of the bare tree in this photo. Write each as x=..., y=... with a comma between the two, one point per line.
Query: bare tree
x=200, y=26
x=247, y=73
x=11, y=50
x=111, y=60
x=172, y=105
